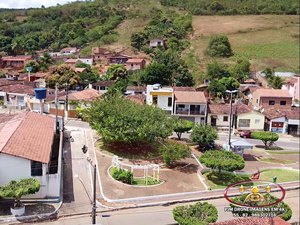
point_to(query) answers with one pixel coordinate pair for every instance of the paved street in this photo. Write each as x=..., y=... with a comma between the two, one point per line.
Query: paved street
x=161, y=215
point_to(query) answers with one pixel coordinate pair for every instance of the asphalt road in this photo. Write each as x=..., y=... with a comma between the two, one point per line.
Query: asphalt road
x=161, y=215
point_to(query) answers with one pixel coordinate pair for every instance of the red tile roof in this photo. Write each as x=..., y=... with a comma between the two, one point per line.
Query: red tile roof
x=18, y=89
x=139, y=99
x=28, y=135
x=273, y=113
x=135, y=60
x=85, y=95
x=221, y=109
x=253, y=221
x=189, y=97
x=17, y=58
x=175, y=88
x=5, y=82
x=272, y=93
x=136, y=88
x=291, y=80
x=249, y=81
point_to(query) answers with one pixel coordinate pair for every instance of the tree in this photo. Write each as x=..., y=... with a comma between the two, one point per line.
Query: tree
x=204, y=135
x=138, y=40
x=276, y=82
x=219, y=46
x=156, y=73
x=241, y=70
x=17, y=189
x=116, y=72
x=217, y=70
x=216, y=89
x=172, y=151
x=268, y=138
x=183, y=77
x=222, y=160
x=35, y=67
x=229, y=83
x=121, y=120
x=201, y=213
x=63, y=75
x=181, y=126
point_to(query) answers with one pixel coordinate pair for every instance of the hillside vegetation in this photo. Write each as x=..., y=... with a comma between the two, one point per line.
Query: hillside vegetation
x=235, y=7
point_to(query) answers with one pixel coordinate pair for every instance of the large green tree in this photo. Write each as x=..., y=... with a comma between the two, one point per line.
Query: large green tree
x=222, y=160
x=63, y=75
x=156, y=73
x=121, y=120
x=201, y=213
x=116, y=72
x=219, y=46
x=204, y=135
x=181, y=126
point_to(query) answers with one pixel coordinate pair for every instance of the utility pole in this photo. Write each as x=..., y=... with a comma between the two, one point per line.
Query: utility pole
x=94, y=197
x=230, y=116
x=56, y=110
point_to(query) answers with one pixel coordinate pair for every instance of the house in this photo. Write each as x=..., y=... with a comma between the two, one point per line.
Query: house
x=243, y=117
x=247, y=93
x=101, y=54
x=72, y=62
x=292, y=85
x=283, y=121
x=15, y=95
x=275, y=98
x=16, y=62
x=69, y=51
x=78, y=99
x=249, y=81
x=102, y=86
x=80, y=70
x=86, y=60
x=190, y=105
x=136, y=90
x=118, y=59
x=154, y=43
x=29, y=148
x=135, y=64
x=137, y=98
x=161, y=97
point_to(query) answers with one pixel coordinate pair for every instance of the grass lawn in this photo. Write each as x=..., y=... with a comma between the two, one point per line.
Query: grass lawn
x=278, y=152
x=276, y=160
x=282, y=175
x=222, y=180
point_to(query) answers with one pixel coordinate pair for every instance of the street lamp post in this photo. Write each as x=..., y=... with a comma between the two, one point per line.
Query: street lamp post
x=230, y=117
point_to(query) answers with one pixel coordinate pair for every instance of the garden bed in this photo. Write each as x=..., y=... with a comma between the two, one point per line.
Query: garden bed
x=222, y=180
x=137, y=181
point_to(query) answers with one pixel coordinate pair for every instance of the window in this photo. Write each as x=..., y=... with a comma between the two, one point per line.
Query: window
x=282, y=102
x=257, y=121
x=36, y=168
x=102, y=88
x=181, y=106
x=244, y=123
x=154, y=100
x=271, y=102
x=169, y=101
x=225, y=118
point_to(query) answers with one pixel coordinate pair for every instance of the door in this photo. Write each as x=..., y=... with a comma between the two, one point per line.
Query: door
x=213, y=121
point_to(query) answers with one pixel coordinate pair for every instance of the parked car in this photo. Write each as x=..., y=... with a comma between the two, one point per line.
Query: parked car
x=245, y=134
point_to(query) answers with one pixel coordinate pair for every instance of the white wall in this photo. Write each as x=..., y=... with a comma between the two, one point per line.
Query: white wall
x=88, y=61
x=257, y=120
x=219, y=122
x=13, y=168
x=162, y=102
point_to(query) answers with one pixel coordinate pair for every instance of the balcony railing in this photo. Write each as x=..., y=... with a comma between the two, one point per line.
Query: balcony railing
x=182, y=111
x=197, y=112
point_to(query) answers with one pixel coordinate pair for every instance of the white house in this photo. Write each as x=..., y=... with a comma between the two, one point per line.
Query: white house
x=292, y=84
x=88, y=61
x=29, y=148
x=190, y=105
x=68, y=51
x=157, y=43
x=160, y=96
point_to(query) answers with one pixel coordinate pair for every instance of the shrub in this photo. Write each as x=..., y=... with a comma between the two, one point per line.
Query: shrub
x=219, y=46
x=172, y=151
x=17, y=189
x=268, y=138
x=197, y=214
x=122, y=175
x=204, y=135
x=222, y=160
